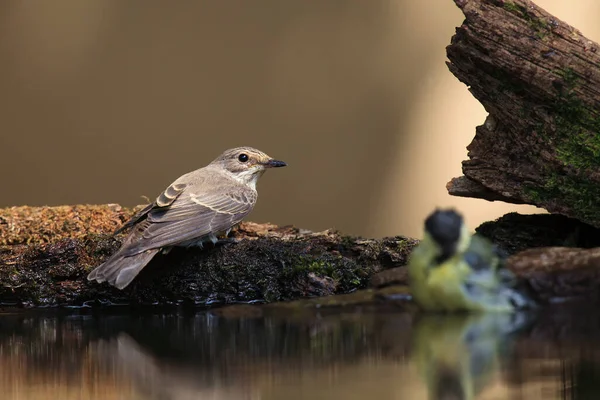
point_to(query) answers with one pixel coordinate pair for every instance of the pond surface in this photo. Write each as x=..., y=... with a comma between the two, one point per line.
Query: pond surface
x=343, y=355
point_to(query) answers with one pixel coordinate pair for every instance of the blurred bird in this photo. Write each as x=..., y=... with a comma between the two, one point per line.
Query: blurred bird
x=196, y=208
x=452, y=270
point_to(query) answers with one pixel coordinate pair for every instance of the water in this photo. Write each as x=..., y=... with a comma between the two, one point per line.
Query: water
x=342, y=355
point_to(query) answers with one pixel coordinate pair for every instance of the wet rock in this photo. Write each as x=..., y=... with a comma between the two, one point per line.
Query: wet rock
x=392, y=276
x=559, y=274
x=394, y=298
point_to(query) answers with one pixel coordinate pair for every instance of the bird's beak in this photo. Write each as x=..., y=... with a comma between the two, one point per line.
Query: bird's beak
x=274, y=164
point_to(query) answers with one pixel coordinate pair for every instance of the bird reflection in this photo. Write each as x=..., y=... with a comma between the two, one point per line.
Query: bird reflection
x=342, y=355
x=158, y=379
x=457, y=356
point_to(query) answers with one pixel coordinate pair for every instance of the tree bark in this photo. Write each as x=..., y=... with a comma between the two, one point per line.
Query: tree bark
x=539, y=80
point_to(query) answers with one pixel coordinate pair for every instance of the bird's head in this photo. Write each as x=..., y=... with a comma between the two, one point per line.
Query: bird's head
x=246, y=164
x=447, y=231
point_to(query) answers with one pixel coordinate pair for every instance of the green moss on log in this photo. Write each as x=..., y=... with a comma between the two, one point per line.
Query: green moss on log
x=575, y=130
x=540, y=27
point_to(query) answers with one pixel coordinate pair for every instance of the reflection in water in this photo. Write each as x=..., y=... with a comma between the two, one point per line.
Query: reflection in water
x=342, y=356
x=458, y=355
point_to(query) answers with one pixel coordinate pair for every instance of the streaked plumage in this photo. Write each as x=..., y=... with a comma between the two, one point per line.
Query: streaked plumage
x=452, y=270
x=196, y=208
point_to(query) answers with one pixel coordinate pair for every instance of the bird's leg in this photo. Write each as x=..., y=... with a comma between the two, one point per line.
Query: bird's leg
x=224, y=239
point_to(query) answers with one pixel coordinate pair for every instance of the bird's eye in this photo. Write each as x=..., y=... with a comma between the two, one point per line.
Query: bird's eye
x=243, y=157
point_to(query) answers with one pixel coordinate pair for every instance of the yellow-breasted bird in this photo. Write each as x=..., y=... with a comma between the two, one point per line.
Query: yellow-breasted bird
x=452, y=270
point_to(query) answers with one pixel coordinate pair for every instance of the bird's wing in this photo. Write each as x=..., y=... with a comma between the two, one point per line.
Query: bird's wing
x=165, y=199
x=484, y=262
x=481, y=254
x=488, y=267
x=192, y=214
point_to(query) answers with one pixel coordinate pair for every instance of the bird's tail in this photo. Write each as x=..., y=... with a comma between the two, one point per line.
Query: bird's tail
x=120, y=270
x=515, y=290
x=518, y=299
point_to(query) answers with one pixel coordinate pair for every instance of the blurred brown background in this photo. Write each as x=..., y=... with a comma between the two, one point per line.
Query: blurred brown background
x=105, y=101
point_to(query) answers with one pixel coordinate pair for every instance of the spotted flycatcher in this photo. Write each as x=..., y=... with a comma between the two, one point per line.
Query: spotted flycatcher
x=196, y=208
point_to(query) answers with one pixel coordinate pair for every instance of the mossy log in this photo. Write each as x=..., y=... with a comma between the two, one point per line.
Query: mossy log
x=47, y=252
x=538, y=79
